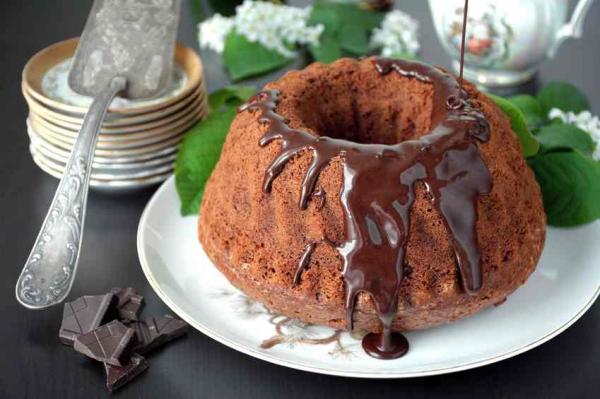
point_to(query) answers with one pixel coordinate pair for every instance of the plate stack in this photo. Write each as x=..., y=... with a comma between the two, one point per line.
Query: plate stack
x=139, y=138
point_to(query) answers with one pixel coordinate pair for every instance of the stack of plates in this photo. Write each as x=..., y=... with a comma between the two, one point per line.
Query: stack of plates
x=139, y=138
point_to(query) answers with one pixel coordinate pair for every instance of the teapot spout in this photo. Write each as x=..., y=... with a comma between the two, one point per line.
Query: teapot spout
x=573, y=28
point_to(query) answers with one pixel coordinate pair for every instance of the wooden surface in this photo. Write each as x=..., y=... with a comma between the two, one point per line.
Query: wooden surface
x=33, y=364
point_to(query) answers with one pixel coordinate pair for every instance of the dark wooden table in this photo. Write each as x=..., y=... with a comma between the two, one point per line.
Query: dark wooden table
x=33, y=364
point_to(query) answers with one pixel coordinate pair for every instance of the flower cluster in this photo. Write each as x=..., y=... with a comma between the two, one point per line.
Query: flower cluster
x=398, y=34
x=585, y=121
x=276, y=27
x=213, y=31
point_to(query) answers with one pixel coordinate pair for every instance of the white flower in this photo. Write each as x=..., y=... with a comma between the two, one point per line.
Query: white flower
x=397, y=34
x=585, y=121
x=276, y=27
x=213, y=31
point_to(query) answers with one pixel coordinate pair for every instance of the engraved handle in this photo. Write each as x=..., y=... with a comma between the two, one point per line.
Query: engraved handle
x=573, y=28
x=50, y=269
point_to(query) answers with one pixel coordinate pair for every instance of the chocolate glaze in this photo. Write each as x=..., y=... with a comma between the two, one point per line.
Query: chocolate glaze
x=379, y=190
x=304, y=261
x=386, y=344
x=319, y=196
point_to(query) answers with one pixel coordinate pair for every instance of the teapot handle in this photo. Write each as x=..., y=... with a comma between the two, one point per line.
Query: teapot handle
x=573, y=28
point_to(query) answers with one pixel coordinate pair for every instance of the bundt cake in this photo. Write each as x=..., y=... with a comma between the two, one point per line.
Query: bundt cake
x=377, y=195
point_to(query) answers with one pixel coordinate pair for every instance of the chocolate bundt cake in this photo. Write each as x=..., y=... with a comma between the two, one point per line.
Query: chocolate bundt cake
x=376, y=195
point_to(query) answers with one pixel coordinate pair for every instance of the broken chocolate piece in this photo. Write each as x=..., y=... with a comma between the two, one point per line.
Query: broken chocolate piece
x=117, y=376
x=157, y=331
x=130, y=303
x=110, y=343
x=84, y=315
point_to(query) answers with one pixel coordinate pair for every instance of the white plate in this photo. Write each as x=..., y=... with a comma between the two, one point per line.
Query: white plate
x=564, y=286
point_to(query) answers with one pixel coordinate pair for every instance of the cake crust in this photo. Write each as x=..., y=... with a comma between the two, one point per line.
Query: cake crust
x=256, y=239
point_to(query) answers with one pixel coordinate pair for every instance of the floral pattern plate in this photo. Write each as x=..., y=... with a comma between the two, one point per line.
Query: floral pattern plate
x=564, y=286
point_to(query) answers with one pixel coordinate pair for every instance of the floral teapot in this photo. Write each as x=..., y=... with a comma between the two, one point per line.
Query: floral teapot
x=505, y=40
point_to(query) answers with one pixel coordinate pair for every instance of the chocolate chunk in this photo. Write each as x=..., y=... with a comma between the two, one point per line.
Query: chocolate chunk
x=130, y=303
x=157, y=331
x=84, y=315
x=110, y=343
x=117, y=376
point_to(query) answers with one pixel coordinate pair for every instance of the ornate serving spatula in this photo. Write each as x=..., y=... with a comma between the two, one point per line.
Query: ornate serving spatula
x=126, y=47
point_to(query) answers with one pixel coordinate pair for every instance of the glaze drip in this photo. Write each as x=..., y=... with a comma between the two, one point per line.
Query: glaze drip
x=304, y=261
x=379, y=190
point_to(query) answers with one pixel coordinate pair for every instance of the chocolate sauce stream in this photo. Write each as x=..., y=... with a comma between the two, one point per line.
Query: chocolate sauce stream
x=378, y=193
x=462, y=42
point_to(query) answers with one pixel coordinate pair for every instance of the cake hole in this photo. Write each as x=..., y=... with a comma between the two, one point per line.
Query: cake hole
x=348, y=106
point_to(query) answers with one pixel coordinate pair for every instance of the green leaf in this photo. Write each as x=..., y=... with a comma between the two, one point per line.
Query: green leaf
x=224, y=7
x=353, y=38
x=563, y=96
x=355, y=14
x=349, y=13
x=562, y=136
x=529, y=145
x=198, y=155
x=404, y=56
x=347, y=24
x=570, y=185
x=531, y=109
x=244, y=59
x=326, y=17
x=230, y=96
x=327, y=51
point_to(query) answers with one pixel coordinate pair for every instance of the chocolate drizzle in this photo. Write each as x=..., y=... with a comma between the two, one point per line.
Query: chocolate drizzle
x=304, y=261
x=319, y=196
x=379, y=190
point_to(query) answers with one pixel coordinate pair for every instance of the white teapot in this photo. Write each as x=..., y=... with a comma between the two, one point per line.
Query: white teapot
x=505, y=40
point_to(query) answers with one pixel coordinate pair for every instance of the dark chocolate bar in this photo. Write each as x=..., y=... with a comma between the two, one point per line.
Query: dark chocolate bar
x=130, y=303
x=110, y=343
x=157, y=331
x=117, y=376
x=84, y=315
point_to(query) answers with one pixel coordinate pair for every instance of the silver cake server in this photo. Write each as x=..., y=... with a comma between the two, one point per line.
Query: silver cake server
x=127, y=47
